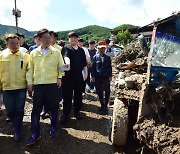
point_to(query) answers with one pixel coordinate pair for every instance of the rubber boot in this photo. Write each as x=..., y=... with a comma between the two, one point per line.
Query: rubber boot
x=35, y=126
x=18, y=118
x=101, y=99
x=54, y=117
x=107, y=96
x=106, y=109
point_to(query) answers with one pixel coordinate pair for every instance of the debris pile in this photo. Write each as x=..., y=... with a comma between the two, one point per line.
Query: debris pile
x=130, y=66
x=128, y=84
x=131, y=58
x=159, y=137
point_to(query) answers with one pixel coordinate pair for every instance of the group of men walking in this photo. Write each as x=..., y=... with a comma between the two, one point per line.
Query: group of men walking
x=51, y=73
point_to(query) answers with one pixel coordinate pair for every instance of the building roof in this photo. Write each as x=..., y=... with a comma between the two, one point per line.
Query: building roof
x=160, y=21
x=149, y=27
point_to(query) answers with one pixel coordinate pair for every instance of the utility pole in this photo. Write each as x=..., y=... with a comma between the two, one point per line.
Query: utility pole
x=17, y=14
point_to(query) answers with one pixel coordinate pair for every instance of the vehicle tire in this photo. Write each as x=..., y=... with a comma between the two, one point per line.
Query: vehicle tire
x=119, y=131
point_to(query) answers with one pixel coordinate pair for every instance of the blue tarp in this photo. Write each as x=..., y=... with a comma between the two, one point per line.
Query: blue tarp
x=168, y=37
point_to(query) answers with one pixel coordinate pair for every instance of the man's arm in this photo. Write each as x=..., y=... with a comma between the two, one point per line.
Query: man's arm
x=29, y=73
x=85, y=70
x=110, y=70
x=65, y=55
x=61, y=63
x=93, y=68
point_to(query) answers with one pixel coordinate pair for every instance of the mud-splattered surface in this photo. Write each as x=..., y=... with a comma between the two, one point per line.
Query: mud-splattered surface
x=163, y=138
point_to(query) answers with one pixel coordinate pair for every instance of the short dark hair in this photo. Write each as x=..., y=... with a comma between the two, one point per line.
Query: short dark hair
x=107, y=40
x=42, y=31
x=53, y=33
x=10, y=36
x=92, y=42
x=35, y=35
x=80, y=40
x=20, y=35
x=72, y=34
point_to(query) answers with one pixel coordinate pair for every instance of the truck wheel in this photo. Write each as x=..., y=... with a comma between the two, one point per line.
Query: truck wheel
x=119, y=123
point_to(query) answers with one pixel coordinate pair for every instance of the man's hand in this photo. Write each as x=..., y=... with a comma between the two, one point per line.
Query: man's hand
x=30, y=88
x=59, y=83
x=85, y=72
x=93, y=79
x=85, y=77
x=67, y=63
x=68, y=66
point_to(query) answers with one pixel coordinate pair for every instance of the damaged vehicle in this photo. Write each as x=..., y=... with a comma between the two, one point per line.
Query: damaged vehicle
x=148, y=90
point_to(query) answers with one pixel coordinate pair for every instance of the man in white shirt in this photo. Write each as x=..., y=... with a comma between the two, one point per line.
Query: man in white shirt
x=88, y=60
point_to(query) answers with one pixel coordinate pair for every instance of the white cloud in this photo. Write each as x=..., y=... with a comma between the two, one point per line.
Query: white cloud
x=116, y=12
x=33, y=16
x=135, y=12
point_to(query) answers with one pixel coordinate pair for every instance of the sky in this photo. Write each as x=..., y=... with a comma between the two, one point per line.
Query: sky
x=61, y=15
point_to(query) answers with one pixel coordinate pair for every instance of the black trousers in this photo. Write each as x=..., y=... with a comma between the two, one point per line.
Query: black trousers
x=45, y=95
x=72, y=86
x=103, y=84
x=84, y=86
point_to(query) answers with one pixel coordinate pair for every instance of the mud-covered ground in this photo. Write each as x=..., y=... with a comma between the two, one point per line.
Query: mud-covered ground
x=86, y=136
x=162, y=138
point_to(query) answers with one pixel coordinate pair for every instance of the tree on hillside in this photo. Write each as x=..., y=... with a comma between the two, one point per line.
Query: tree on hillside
x=124, y=37
x=88, y=37
x=124, y=27
x=30, y=41
x=2, y=43
x=94, y=32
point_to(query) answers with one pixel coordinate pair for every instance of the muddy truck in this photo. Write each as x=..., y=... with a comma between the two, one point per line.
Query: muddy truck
x=147, y=86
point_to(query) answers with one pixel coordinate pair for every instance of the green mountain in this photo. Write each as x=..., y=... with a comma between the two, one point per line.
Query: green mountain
x=88, y=31
x=12, y=29
x=124, y=27
x=94, y=30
